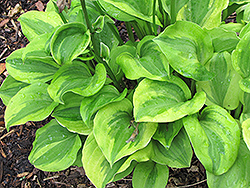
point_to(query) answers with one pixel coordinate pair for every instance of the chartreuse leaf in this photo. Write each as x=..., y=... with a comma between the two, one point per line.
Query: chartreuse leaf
x=95, y=165
x=223, y=40
x=90, y=105
x=217, y=143
x=240, y=59
x=76, y=78
x=205, y=13
x=150, y=174
x=142, y=155
x=187, y=48
x=32, y=69
x=246, y=132
x=235, y=27
x=179, y=155
x=69, y=41
x=158, y=101
x=68, y=114
x=35, y=23
x=55, y=148
x=142, y=9
x=237, y=175
x=166, y=132
x=111, y=130
x=32, y=103
x=37, y=47
x=9, y=88
x=149, y=61
x=223, y=89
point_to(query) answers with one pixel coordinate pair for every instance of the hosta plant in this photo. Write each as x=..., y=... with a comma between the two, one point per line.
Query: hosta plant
x=182, y=88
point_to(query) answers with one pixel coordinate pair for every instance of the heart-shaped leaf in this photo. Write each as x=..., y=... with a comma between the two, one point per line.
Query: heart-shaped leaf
x=187, y=48
x=223, y=89
x=150, y=62
x=35, y=23
x=69, y=41
x=95, y=165
x=240, y=58
x=158, y=101
x=32, y=69
x=31, y=103
x=90, y=105
x=206, y=13
x=237, y=175
x=55, y=148
x=217, y=143
x=150, y=174
x=223, y=40
x=111, y=130
x=68, y=114
x=76, y=78
x=179, y=155
x=166, y=132
x=142, y=9
x=9, y=88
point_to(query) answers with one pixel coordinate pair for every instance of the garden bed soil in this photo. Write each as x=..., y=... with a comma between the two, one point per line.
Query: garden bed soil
x=15, y=145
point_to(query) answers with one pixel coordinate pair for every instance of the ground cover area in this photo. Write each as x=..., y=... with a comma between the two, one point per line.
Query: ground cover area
x=15, y=145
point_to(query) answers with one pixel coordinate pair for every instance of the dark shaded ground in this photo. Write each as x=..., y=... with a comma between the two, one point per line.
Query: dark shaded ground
x=15, y=145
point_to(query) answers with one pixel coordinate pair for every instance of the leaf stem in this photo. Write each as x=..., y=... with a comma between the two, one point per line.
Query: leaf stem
x=173, y=11
x=96, y=47
x=137, y=30
x=130, y=32
x=154, y=14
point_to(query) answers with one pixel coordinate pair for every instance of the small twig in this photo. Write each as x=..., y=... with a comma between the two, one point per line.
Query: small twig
x=49, y=178
x=3, y=59
x=1, y=55
x=185, y=186
x=7, y=134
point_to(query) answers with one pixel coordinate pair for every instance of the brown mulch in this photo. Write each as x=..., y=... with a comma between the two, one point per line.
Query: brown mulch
x=15, y=145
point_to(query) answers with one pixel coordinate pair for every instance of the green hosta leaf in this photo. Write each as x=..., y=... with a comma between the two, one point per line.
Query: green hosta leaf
x=156, y=101
x=237, y=175
x=31, y=69
x=69, y=41
x=142, y=9
x=178, y=5
x=9, y=88
x=95, y=165
x=150, y=174
x=206, y=13
x=245, y=100
x=37, y=47
x=240, y=59
x=179, y=155
x=120, y=175
x=111, y=130
x=76, y=78
x=90, y=105
x=142, y=155
x=115, y=12
x=217, y=143
x=244, y=30
x=166, y=132
x=31, y=103
x=68, y=114
x=223, y=40
x=234, y=27
x=150, y=61
x=246, y=132
x=187, y=48
x=35, y=23
x=223, y=89
x=55, y=148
